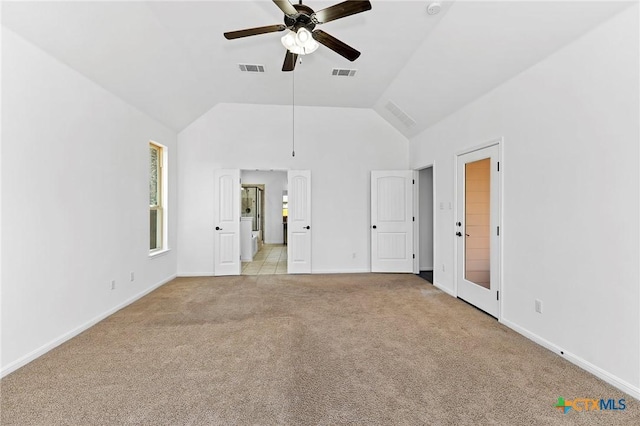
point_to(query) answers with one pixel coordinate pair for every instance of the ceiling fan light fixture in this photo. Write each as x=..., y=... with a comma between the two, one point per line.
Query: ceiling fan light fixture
x=300, y=43
x=302, y=37
x=289, y=40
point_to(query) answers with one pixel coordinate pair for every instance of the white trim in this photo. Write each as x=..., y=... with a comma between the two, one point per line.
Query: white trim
x=22, y=361
x=443, y=288
x=436, y=258
x=499, y=142
x=195, y=274
x=158, y=253
x=342, y=271
x=416, y=221
x=574, y=359
x=165, y=199
x=416, y=204
x=313, y=271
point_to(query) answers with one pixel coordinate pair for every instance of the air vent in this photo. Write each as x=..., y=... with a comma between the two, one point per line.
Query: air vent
x=339, y=72
x=251, y=68
x=400, y=114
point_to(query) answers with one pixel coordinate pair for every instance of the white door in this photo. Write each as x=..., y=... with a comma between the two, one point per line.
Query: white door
x=477, y=228
x=392, y=221
x=226, y=218
x=299, y=222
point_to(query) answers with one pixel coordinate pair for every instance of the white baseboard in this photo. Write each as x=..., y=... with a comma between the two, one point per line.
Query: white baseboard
x=574, y=359
x=340, y=271
x=195, y=274
x=22, y=361
x=445, y=289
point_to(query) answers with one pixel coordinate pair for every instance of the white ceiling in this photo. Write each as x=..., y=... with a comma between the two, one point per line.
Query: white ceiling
x=170, y=60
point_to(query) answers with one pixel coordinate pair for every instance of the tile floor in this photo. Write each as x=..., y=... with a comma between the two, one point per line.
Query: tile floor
x=270, y=259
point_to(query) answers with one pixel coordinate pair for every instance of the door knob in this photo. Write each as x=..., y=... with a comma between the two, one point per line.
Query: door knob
x=459, y=234
x=218, y=228
x=306, y=227
x=374, y=227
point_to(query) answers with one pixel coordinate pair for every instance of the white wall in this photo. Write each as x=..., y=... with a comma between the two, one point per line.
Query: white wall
x=275, y=182
x=339, y=145
x=75, y=173
x=425, y=198
x=571, y=197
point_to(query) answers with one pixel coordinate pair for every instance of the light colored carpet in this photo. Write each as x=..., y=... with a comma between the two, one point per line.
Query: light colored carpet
x=363, y=349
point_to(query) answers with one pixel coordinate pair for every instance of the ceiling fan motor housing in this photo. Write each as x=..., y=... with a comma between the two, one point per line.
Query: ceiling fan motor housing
x=302, y=19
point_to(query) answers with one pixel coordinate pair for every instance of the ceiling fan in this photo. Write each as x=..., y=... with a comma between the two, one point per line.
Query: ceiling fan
x=303, y=38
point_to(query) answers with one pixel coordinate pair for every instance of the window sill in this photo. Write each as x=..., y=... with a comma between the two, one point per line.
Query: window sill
x=158, y=253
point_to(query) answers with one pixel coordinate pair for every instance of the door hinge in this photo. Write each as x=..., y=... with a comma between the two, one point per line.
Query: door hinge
x=497, y=295
x=498, y=166
x=414, y=256
x=414, y=182
x=414, y=218
x=498, y=231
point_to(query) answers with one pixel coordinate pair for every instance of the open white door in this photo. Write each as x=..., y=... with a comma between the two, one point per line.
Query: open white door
x=477, y=228
x=392, y=221
x=299, y=222
x=226, y=218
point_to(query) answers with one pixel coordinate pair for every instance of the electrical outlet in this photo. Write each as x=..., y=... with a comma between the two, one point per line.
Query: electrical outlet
x=133, y=277
x=353, y=255
x=538, y=306
x=113, y=284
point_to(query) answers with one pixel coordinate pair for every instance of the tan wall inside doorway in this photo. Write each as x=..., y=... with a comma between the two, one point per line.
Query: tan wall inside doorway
x=477, y=221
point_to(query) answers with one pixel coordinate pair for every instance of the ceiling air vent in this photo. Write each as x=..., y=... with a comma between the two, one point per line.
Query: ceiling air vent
x=251, y=68
x=343, y=72
x=400, y=114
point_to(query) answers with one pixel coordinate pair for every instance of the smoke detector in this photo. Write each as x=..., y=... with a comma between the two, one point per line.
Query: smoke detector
x=434, y=8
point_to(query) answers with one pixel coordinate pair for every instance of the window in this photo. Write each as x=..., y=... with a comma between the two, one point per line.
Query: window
x=156, y=197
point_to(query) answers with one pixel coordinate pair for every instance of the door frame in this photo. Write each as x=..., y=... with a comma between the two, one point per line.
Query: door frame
x=249, y=169
x=417, y=223
x=499, y=142
x=261, y=187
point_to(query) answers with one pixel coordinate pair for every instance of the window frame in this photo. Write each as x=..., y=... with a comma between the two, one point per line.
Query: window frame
x=161, y=196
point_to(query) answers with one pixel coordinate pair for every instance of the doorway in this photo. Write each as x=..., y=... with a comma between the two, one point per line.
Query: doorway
x=425, y=224
x=227, y=218
x=477, y=228
x=263, y=249
x=252, y=208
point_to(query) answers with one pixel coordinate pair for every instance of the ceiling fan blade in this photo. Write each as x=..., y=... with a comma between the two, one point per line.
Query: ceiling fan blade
x=286, y=7
x=254, y=31
x=290, y=60
x=336, y=45
x=340, y=10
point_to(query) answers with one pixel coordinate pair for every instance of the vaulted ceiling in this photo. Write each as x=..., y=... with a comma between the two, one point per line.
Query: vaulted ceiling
x=170, y=60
